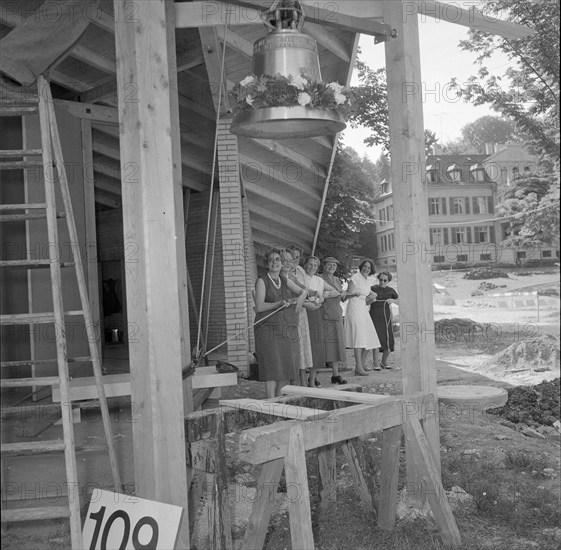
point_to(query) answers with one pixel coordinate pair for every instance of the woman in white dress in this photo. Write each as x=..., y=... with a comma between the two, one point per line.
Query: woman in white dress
x=360, y=333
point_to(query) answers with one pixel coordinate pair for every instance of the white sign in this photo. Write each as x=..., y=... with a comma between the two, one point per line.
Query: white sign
x=124, y=522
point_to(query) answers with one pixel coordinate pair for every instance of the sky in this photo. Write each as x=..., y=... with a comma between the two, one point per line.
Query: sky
x=441, y=59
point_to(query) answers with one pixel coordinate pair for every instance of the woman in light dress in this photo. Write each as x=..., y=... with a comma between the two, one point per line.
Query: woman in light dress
x=297, y=275
x=360, y=333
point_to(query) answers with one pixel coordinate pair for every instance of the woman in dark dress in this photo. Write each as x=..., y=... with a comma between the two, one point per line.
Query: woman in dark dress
x=333, y=328
x=277, y=344
x=381, y=315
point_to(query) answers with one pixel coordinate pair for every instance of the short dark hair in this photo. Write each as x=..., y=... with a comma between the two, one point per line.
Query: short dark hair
x=387, y=274
x=273, y=250
x=372, y=266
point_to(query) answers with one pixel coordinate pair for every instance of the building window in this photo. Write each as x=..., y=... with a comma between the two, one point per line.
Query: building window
x=432, y=174
x=482, y=234
x=437, y=235
x=439, y=259
x=390, y=213
x=460, y=235
x=454, y=173
x=434, y=209
x=459, y=205
x=485, y=257
x=546, y=254
x=480, y=205
x=521, y=254
x=462, y=258
x=477, y=173
x=392, y=243
x=382, y=215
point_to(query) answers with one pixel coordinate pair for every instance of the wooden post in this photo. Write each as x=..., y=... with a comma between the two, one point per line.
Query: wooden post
x=148, y=144
x=389, y=477
x=407, y=144
x=327, y=474
x=298, y=492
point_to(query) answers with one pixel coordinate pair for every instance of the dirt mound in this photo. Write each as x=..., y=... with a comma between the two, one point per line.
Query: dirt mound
x=533, y=405
x=539, y=354
x=486, y=273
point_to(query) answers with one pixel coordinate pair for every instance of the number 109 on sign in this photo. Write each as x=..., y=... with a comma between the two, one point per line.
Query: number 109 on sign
x=122, y=522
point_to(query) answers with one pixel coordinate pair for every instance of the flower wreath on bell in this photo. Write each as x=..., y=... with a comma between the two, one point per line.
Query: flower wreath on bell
x=256, y=92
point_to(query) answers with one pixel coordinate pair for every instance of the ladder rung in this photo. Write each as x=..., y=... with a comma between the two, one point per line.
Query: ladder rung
x=28, y=514
x=9, y=153
x=27, y=382
x=22, y=217
x=31, y=362
x=32, y=447
x=23, y=206
x=33, y=318
x=19, y=164
x=18, y=110
x=31, y=264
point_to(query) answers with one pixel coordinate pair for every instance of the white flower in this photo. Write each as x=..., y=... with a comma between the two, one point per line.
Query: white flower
x=336, y=87
x=249, y=79
x=304, y=98
x=299, y=82
x=249, y=100
x=339, y=98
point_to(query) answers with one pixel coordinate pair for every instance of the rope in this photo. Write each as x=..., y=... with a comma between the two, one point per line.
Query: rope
x=215, y=148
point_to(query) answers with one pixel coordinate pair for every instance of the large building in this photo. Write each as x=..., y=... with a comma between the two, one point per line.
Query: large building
x=463, y=193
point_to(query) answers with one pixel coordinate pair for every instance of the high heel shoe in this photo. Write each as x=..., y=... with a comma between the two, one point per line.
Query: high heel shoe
x=360, y=373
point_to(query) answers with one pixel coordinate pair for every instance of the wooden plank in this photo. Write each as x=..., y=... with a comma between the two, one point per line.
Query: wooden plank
x=338, y=395
x=120, y=384
x=407, y=143
x=42, y=513
x=258, y=445
x=236, y=42
x=263, y=504
x=358, y=476
x=389, y=477
x=90, y=228
x=212, y=51
x=328, y=40
x=282, y=410
x=149, y=220
x=298, y=492
x=327, y=474
x=431, y=484
x=90, y=111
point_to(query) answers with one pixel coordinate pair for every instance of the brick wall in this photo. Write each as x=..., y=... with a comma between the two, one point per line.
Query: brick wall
x=232, y=226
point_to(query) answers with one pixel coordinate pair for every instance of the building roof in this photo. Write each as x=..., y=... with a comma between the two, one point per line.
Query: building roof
x=444, y=164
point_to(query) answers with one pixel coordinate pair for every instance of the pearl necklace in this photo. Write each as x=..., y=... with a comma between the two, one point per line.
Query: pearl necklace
x=277, y=286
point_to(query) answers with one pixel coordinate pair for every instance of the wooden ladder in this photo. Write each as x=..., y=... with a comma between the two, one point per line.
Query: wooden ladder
x=52, y=161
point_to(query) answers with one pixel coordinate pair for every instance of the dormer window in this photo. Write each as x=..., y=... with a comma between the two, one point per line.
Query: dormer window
x=432, y=174
x=454, y=173
x=477, y=172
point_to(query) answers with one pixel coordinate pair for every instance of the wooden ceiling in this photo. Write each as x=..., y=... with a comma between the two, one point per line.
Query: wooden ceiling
x=284, y=181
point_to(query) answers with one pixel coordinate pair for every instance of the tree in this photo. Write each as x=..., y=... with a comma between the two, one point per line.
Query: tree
x=533, y=206
x=347, y=214
x=528, y=92
x=487, y=129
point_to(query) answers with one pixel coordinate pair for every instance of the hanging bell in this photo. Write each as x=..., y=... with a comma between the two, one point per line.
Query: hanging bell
x=290, y=53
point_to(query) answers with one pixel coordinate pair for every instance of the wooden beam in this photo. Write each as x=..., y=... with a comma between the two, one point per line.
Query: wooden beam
x=190, y=59
x=89, y=111
x=269, y=173
x=280, y=410
x=258, y=445
x=149, y=140
x=389, y=477
x=328, y=40
x=236, y=42
x=314, y=168
x=453, y=13
x=283, y=221
x=431, y=484
x=264, y=193
x=212, y=51
x=298, y=493
x=407, y=143
x=210, y=14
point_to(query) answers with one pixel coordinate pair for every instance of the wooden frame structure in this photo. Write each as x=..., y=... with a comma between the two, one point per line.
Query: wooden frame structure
x=166, y=138
x=282, y=446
